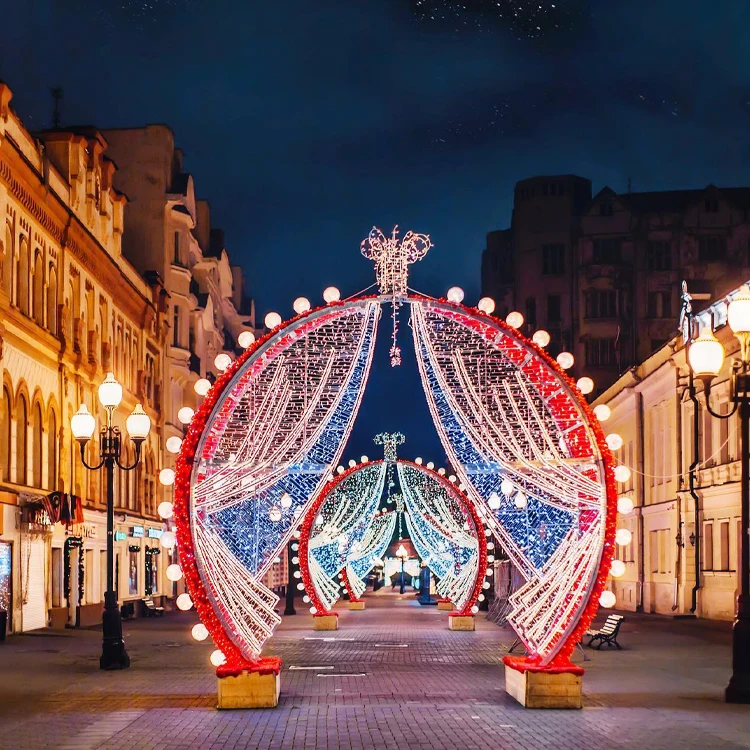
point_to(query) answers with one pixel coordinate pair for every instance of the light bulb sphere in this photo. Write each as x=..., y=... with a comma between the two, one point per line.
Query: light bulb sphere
x=138, y=424
x=585, y=385
x=514, y=319
x=364, y=459
x=494, y=502
x=614, y=441
x=706, y=354
x=441, y=471
x=217, y=658
x=340, y=469
x=430, y=465
x=566, y=360
x=199, y=632
x=272, y=320
x=286, y=500
x=541, y=338
x=202, y=386
x=301, y=305
x=486, y=305
x=624, y=505
x=174, y=444
x=274, y=514
x=83, y=423
x=602, y=412
x=623, y=537
x=168, y=539
x=331, y=294
x=166, y=477
x=110, y=392
x=246, y=339
x=222, y=361
x=184, y=602
x=165, y=510
x=313, y=610
x=738, y=314
x=300, y=587
x=185, y=414
x=622, y=473
x=174, y=572
x=452, y=478
x=520, y=500
x=506, y=487
x=352, y=463
x=306, y=599
x=617, y=569
x=455, y=294
x=607, y=599
x=474, y=609
x=418, y=460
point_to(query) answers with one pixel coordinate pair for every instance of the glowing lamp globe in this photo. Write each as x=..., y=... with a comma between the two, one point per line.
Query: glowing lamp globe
x=623, y=537
x=418, y=460
x=286, y=500
x=602, y=412
x=199, y=632
x=486, y=585
x=246, y=339
x=202, y=386
x=452, y=478
x=165, y=510
x=455, y=294
x=352, y=463
x=174, y=572
x=185, y=414
x=624, y=505
x=614, y=441
x=166, y=477
x=706, y=355
x=585, y=385
x=541, y=338
x=738, y=314
x=486, y=305
x=110, y=392
x=168, y=539
x=313, y=610
x=617, y=569
x=297, y=574
x=364, y=459
x=514, y=319
x=184, y=602
x=306, y=599
x=622, y=473
x=138, y=424
x=340, y=469
x=607, y=599
x=217, y=658
x=174, y=444
x=274, y=514
x=222, y=361
x=82, y=423
x=331, y=294
x=566, y=360
x=506, y=487
x=441, y=471
x=520, y=500
x=272, y=320
x=474, y=609
x=301, y=305
x=494, y=502
x=300, y=587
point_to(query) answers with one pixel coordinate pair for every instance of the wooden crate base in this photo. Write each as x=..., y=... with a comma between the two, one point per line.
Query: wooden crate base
x=249, y=690
x=461, y=622
x=359, y=606
x=326, y=622
x=446, y=604
x=544, y=690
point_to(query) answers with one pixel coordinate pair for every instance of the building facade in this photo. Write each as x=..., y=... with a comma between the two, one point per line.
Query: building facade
x=72, y=308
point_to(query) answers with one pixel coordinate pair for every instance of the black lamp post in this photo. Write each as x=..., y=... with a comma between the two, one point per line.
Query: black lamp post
x=290, y=582
x=83, y=425
x=705, y=356
x=402, y=554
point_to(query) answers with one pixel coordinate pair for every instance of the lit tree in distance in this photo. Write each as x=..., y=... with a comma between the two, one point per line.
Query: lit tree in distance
x=392, y=260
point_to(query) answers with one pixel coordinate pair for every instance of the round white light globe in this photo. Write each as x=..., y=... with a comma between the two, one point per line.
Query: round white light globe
x=602, y=412
x=286, y=500
x=607, y=599
x=486, y=585
x=455, y=294
x=222, y=361
x=486, y=305
x=217, y=658
x=622, y=473
x=331, y=294
x=441, y=471
x=166, y=477
x=185, y=414
x=340, y=469
x=418, y=460
x=585, y=385
x=184, y=602
x=174, y=444
x=300, y=586
x=364, y=459
x=514, y=319
x=520, y=500
x=494, y=502
x=452, y=478
x=199, y=632
x=540, y=338
x=566, y=360
x=506, y=487
x=430, y=465
x=174, y=572
x=352, y=463
x=617, y=569
x=474, y=609
x=301, y=305
x=313, y=610
x=274, y=514
x=272, y=320
x=297, y=574
x=165, y=509
x=168, y=539
x=246, y=339
x=614, y=441
x=623, y=537
x=202, y=386
x=306, y=599
x=624, y=505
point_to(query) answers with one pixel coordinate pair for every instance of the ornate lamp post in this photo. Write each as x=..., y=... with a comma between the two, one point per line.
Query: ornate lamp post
x=83, y=426
x=402, y=554
x=706, y=357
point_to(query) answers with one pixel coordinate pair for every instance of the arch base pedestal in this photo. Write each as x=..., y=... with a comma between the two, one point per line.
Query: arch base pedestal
x=556, y=688
x=258, y=686
x=327, y=621
x=457, y=621
x=445, y=604
x=358, y=605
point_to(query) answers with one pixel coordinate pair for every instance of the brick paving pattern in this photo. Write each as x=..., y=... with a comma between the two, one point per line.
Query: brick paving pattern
x=392, y=676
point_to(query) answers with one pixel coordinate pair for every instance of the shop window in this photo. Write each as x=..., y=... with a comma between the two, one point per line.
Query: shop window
x=57, y=577
x=133, y=555
x=152, y=570
x=6, y=579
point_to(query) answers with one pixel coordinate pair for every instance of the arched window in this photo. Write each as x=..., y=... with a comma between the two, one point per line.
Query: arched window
x=38, y=289
x=22, y=297
x=52, y=449
x=6, y=264
x=22, y=419
x=52, y=301
x=37, y=437
x=6, y=445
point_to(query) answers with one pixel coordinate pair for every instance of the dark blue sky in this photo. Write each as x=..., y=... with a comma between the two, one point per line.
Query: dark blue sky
x=306, y=123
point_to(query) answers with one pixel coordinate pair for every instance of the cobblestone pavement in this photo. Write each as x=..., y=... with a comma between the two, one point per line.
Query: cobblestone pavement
x=393, y=676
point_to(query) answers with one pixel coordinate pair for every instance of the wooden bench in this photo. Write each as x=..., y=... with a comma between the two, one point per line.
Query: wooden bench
x=607, y=633
x=151, y=610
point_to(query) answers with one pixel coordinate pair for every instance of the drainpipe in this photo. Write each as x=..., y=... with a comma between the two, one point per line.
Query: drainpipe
x=693, y=493
x=642, y=496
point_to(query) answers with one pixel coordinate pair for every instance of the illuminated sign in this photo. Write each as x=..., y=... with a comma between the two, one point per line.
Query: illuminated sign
x=120, y=536
x=155, y=533
x=137, y=531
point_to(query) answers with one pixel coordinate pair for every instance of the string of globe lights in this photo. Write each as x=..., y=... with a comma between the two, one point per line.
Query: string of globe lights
x=515, y=481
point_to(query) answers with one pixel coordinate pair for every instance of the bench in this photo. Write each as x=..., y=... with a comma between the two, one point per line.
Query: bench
x=607, y=633
x=151, y=610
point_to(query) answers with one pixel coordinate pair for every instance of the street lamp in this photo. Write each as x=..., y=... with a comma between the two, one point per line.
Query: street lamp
x=706, y=357
x=83, y=426
x=402, y=555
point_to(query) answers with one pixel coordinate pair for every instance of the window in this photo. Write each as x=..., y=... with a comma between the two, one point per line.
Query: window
x=57, y=576
x=724, y=434
x=653, y=549
x=37, y=303
x=708, y=546
x=177, y=258
x=659, y=305
x=176, y=327
x=6, y=580
x=36, y=446
x=712, y=248
x=22, y=418
x=554, y=308
x=6, y=415
x=723, y=545
x=52, y=301
x=659, y=256
x=605, y=209
x=133, y=554
x=712, y=206
x=601, y=304
x=600, y=353
x=531, y=311
x=607, y=250
x=24, y=271
x=6, y=262
x=88, y=576
x=553, y=259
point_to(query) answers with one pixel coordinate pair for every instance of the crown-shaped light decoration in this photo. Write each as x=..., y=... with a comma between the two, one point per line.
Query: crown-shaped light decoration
x=389, y=441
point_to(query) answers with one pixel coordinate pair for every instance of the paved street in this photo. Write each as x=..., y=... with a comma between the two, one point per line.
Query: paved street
x=392, y=676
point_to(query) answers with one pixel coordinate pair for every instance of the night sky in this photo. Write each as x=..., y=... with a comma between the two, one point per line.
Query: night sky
x=305, y=123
